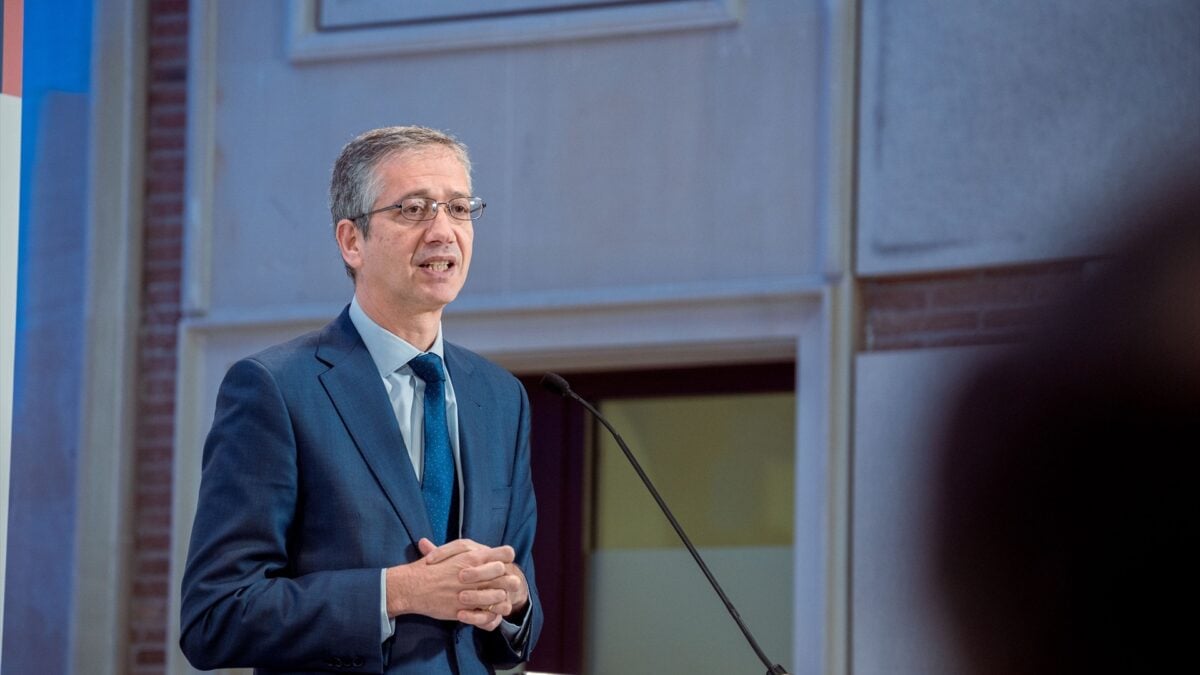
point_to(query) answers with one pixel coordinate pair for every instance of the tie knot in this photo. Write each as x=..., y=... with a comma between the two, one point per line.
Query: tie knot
x=428, y=367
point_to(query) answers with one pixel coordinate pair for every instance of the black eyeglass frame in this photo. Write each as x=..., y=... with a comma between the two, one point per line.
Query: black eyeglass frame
x=476, y=205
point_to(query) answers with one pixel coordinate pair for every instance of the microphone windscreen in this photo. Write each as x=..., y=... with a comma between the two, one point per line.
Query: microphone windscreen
x=555, y=383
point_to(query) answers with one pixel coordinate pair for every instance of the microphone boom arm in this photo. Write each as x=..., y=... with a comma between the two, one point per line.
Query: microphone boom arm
x=557, y=384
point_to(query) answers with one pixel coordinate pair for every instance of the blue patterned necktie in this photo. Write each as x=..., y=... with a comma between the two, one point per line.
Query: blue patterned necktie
x=438, y=481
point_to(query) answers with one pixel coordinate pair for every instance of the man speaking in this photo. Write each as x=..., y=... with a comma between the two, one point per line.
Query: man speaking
x=365, y=502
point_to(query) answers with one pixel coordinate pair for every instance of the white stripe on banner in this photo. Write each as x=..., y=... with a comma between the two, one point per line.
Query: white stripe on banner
x=10, y=180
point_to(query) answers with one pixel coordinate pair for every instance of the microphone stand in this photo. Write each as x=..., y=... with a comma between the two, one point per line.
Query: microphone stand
x=558, y=385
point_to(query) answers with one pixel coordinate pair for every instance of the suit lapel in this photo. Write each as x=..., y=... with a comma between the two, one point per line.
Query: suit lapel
x=353, y=384
x=472, y=439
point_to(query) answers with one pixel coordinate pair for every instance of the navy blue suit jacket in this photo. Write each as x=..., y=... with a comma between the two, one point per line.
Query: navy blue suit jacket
x=307, y=492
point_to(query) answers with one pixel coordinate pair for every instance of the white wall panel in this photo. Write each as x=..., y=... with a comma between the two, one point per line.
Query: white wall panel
x=995, y=132
x=666, y=158
x=900, y=408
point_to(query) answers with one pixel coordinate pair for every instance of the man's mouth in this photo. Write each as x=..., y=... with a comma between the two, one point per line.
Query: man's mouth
x=438, y=265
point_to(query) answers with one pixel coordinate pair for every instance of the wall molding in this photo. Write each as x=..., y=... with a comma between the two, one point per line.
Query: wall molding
x=823, y=641
x=308, y=42
x=201, y=157
x=590, y=329
x=105, y=472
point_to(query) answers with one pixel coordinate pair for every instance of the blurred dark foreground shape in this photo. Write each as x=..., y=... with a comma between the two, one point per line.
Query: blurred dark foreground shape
x=1065, y=514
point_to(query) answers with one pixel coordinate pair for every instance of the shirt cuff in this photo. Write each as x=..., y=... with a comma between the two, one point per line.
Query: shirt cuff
x=517, y=634
x=387, y=625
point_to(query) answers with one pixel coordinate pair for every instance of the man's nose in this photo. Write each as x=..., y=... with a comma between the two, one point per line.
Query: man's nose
x=441, y=226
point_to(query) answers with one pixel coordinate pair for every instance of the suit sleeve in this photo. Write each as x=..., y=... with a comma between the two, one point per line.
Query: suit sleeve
x=520, y=527
x=242, y=606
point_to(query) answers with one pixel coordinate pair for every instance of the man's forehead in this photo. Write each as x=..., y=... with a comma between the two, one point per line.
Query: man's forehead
x=423, y=152
x=401, y=162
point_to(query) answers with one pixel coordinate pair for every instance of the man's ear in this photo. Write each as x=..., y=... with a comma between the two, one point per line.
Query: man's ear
x=349, y=239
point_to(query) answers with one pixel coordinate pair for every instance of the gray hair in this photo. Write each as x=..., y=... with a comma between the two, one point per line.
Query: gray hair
x=354, y=185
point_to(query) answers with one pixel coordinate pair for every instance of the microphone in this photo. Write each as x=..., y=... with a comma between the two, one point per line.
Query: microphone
x=555, y=383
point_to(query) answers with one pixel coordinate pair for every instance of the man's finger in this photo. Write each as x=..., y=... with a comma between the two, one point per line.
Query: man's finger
x=480, y=618
x=505, y=553
x=479, y=573
x=448, y=550
x=482, y=598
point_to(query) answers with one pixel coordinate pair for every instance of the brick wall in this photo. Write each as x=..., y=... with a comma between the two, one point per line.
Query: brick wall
x=973, y=307
x=166, y=119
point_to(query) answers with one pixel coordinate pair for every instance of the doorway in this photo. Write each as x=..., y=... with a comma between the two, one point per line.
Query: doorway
x=620, y=591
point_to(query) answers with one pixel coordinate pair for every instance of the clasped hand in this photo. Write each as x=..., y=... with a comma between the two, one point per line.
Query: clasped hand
x=462, y=580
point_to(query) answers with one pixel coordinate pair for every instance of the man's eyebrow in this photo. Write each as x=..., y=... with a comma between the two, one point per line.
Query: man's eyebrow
x=426, y=194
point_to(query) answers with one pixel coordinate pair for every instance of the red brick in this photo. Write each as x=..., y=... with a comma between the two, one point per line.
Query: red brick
x=945, y=321
x=166, y=314
x=158, y=408
x=152, y=540
x=147, y=610
x=167, y=72
x=149, y=418
x=168, y=117
x=150, y=587
x=895, y=342
x=166, y=140
x=161, y=7
x=166, y=93
x=151, y=655
x=169, y=52
x=894, y=297
x=973, y=307
x=1018, y=317
x=158, y=498
x=156, y=452
x=153, y=565
x=156, y=439
x=165, y=225
x=162, y=264
x=167, y=162
x=888, y=323
x=983, y=292
x=158, y=387
x=172, y=204
x=162, y=250
x=1057, y=288
x=155, y=521
x=162, y=293
x=161, y=361
x=168, y=25
x=145, y=636
x=165, y=182
x=157, y=274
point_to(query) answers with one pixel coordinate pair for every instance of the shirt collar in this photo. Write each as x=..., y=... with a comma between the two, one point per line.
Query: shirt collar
x=389, y=351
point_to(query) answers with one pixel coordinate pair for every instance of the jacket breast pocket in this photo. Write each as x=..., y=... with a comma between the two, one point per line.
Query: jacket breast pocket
x=500, y=498
x=492, y=516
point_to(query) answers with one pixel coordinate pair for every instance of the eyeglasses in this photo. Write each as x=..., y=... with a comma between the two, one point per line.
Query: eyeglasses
x=423, y=208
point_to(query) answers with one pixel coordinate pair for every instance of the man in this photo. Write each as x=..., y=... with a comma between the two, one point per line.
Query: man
x=362, y=508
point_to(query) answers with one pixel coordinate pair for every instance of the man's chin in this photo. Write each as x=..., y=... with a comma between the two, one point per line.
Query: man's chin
x=435, y=302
